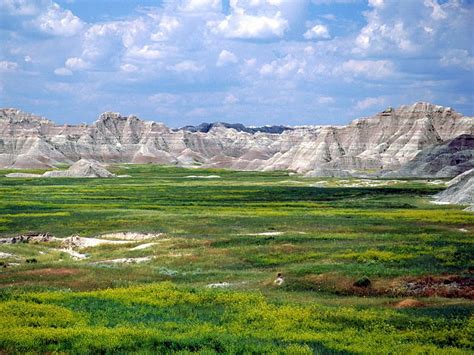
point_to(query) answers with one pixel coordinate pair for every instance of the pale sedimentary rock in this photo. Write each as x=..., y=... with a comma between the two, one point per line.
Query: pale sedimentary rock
x=384, y=142
x=460, y=191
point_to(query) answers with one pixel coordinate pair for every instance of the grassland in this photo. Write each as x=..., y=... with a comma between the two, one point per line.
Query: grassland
x=235, y=233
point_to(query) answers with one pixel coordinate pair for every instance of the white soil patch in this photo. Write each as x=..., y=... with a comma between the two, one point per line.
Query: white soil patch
x=143, y=246
x=219, y=285
x=179, y=255
x=318, y=183
x=464, y=230
x=74, y=254
x=440, y=203
x=436, y=182
x=203, y=177
x=127, y=260
x=369, y=183
x=6, y=255
x=291, y=182
x=79, y=242
x=269, y=234
x=133, y=236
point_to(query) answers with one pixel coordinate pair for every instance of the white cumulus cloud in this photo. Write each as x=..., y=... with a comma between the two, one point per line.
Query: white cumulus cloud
x=458, y=58
x=226, y=57
x=317, y=32
x=186, y=66
x=128, y=68
x=62, y=72
x=6, y=65
x=372, y=69
x=240, y=24
x=145, y=52
x=75, y=63
x=201, y=5
x=370, y=102
x=59, y=22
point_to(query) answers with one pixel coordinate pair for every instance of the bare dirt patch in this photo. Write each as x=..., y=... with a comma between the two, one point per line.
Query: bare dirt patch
x=450, y=286
x=442, y=286
x=132, y=236
x=409, y=303
x=49, y=272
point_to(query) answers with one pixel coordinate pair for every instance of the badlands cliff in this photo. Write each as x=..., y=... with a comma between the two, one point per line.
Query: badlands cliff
x=460, y=191
x=381, y=143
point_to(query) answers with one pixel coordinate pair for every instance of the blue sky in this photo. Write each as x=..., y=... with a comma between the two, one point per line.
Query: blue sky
x=250, y=61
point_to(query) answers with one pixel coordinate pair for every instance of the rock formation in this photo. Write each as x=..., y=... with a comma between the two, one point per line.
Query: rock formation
x=384, y=142
x=460, y=191
x=81, y=168
x=443, y=160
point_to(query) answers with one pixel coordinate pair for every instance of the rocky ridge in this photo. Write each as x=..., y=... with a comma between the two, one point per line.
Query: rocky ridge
x=384, y=142
x=442, y=160
x=460, y=191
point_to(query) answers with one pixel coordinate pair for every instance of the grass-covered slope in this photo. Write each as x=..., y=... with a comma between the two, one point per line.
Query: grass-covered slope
x=235, y=232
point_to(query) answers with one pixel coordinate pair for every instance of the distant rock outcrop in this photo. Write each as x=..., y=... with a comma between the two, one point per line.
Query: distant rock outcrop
x=460, y=191
x=443, y=160
x=81, y=168
x=381, y=143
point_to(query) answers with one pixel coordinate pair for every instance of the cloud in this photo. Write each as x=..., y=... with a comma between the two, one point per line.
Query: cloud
x=458, y=58
x=62, y=72
x=6, y=66
x=317, y=32
x=128, y=68
x=19, y=7
x=413, y=27
x=231, y=99
x=201, y=5
x=226, y=57
x=331, y=2
x=59, y=22
x=198, y=112
x=167, y=26
x=370, y=102
x=145, y=52
x=163, y=99
x=186, y=66
x=240, y=24
x=285, y=67
x=75, y=63
x=377, y=3
x=372, y=69
x=437, y=12
x=281, y=58
x=325, y=100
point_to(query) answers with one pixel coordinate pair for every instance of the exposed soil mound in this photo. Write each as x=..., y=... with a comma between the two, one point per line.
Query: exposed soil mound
x=460, y=190
x=29, y=238
x=76, y=242
x=133, y=236
x=409, y=303
x=82, y=168
x=445, y=286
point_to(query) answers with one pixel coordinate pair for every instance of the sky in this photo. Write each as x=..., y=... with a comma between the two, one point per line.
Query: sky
x=256, y=62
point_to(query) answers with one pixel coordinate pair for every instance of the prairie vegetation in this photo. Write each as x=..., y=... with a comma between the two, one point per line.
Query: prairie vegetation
x=351, y=252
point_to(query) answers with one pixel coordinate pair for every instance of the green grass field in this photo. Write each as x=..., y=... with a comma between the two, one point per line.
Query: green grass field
x=235, y=232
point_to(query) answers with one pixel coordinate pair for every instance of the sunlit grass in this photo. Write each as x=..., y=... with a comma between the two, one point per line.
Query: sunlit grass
x=241, y=229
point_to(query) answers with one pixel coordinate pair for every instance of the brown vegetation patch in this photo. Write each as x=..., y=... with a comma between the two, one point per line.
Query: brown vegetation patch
x=442, y=286
x=451, y=286
x=51, y=272
x=409, y=303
